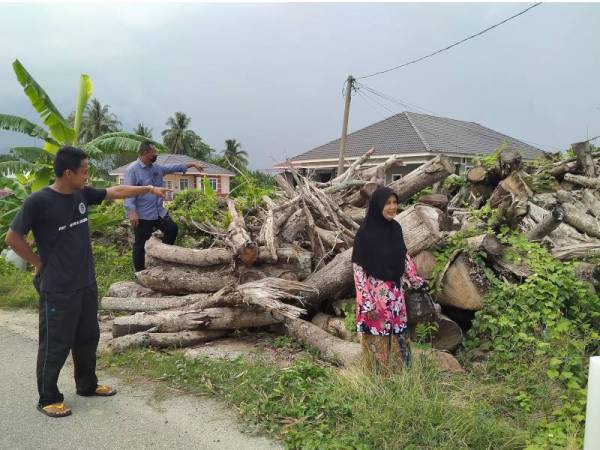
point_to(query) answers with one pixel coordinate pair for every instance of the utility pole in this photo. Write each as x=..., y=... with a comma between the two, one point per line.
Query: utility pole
x=349, y=86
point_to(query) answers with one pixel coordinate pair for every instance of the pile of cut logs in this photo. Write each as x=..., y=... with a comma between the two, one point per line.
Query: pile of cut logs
x=287, y=263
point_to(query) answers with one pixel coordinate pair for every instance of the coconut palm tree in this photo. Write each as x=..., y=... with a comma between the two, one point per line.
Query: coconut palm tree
x=97, y=120
x=234, y=154
x=178, y=138
x=142, y=130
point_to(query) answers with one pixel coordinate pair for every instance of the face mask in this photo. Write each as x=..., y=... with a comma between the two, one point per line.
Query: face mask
x=153, y=159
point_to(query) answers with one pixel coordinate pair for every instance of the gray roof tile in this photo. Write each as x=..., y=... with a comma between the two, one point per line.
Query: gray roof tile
x=410, y=132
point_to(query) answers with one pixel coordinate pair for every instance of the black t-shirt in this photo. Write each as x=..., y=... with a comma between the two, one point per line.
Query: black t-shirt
x=60, y=226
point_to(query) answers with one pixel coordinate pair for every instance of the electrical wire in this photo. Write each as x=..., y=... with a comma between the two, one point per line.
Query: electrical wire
x=451, y=45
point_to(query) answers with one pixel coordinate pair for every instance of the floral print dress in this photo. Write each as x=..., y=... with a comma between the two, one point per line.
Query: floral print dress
x=381, y=311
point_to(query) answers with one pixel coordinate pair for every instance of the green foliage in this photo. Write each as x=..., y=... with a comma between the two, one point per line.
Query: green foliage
x=425, y=331
x=314, y=407
x=233, y=155
x=113, y=264
x=412, y=200
x=540, y=334
x=248, y=188
x=541, y=180
x=180, y=139
x=16, y=287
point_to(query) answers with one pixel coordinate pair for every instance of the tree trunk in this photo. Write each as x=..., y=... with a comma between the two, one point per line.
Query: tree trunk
x=509, y=161
x=294, y=226
x=224, y=318
x=287, y=188
x=164, y=340
x=462, y=283
x=420, y=307
x=331, y=239
x=581, y=221
x=585, y=162
x=581, y=180
x=439, y=201
x=591, y=202
x=173, y=280
x=144, y=304
x=449, y=335
x=331, y=348
x=424, y=176
x=487, y=243
x=477, y=174
x=420, y=227
x=333, y=325
x=187, y=256
x=241, y=244
x=425, y=262
x=130, y=289
x=547, y=225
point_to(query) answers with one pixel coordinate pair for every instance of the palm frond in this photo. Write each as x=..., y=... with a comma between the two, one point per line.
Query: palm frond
x=12, y=167
x=130, y=136
x=21, y=125
x=58, y=126
x=30, y=154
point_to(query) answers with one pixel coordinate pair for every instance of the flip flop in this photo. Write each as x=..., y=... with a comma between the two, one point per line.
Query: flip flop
x=101, y=391
x=55, y=410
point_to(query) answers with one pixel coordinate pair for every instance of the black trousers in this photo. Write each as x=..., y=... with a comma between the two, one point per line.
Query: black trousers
x=144, y=230
x=68, y=322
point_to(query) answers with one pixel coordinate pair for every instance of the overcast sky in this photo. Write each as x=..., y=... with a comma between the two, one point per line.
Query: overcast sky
x=270, y=75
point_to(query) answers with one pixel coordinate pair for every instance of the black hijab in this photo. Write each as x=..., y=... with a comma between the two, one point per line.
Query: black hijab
x=379, y=246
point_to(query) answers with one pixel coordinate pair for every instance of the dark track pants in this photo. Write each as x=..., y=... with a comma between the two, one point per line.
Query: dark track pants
x=144, y=230
x=68, y=322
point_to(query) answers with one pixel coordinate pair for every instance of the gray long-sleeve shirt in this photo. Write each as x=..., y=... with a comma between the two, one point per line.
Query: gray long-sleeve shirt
x=148, y=206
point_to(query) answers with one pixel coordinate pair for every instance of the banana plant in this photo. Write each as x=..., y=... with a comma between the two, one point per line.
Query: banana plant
x=58, y=132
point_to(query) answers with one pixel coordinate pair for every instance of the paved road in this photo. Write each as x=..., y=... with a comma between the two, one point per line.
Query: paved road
x=135, y=418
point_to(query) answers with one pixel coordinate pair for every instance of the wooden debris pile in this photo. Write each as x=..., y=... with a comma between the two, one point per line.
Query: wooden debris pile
x=288, y=261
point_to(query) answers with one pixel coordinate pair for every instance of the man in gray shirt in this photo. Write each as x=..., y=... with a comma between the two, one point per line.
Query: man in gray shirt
x=146, y=212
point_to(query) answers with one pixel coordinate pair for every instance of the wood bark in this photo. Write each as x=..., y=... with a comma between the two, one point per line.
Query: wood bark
x=241, y=244
x=581, y=221
x=585, y=162
x=332, y=349
x=287, y=188
x=591, y=202
x=448, y=336
x=509, y=161
x=477, y=174
x=420, y=307
x=139, y=304
x=420, y=227
x=581, y=180
x=224, y=318
x=173, y=280
x=462, y=283
x=164, y=340
x=130, y=289
x=333, y=325
x=424, y=176
x=425, y=262
x=487, y=243
x=547, y=225
x=439, y=201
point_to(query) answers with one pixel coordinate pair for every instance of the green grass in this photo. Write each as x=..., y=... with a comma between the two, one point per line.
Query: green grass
x=16, y=289
x=309, y=406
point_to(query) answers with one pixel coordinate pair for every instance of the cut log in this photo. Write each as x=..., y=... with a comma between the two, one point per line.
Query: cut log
x=226, y=318
x=425, y=262
x=448, y=336
x=424, y=176
x=585, y=163
x=576, y=251
x=509, y=161
x=241, y=244
x=581, y=180
x=513, y=186
x=462, y=283
x=581, y=221
x=420, y=307
x=130, y=289
x=188, y=256
x=164, y=340
x=173, y=280
x=420, y=227
x=591, y=202
x=294, y=226
x=477, y=174
x=333, y=325
x=139, y=304
x=331, y=348
x=285, y=185
x=439, y=201
x=487, y=243
x=357, y=214
x=547, y=225
x=331, y=239
x=444, y=361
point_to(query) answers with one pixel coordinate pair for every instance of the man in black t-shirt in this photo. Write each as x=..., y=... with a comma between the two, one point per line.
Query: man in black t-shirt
x=65, y=276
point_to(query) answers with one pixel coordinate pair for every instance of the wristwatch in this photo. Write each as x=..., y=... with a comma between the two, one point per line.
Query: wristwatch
x=150, y=187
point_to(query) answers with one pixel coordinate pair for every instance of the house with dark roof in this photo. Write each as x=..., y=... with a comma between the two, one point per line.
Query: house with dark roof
x=217, y=176
x=417, y=138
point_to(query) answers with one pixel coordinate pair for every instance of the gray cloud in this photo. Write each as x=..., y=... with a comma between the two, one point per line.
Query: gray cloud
x=270, y=75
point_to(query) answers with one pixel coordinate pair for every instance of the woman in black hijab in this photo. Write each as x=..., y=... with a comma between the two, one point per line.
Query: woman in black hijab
x=382, y=268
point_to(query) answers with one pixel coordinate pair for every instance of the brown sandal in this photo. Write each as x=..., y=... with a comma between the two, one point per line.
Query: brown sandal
x=101, y=391
x=55, y=410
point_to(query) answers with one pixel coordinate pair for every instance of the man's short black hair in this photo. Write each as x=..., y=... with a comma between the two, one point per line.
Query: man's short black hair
x=145, y=147
x=68, y=158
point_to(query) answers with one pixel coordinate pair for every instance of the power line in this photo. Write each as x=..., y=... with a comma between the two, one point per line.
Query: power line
x=451, y=45
x=479, y=133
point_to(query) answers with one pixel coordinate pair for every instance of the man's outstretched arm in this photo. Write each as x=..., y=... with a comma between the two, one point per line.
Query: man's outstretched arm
x=123, y=191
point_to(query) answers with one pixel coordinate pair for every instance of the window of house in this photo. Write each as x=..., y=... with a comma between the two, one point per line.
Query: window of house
x=214, y=184
x=121, y=180
x=396, y=176
x=184, y=184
